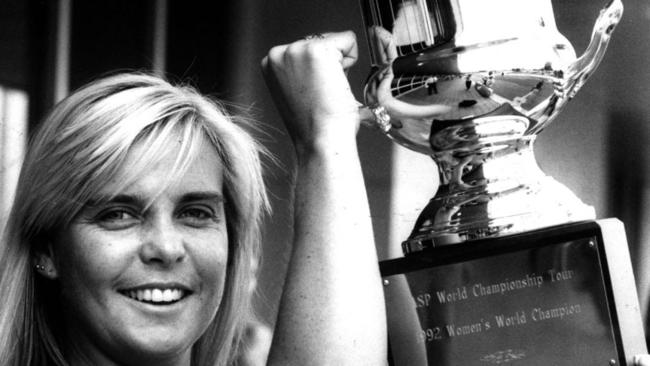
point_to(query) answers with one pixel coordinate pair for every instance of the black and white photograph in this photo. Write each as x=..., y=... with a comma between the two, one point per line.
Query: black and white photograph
x=308, y=182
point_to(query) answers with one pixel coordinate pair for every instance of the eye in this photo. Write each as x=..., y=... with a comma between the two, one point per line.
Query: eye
x=117, y=218
x=198, y=216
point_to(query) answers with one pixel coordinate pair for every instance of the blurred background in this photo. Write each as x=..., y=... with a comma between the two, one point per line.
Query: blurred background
x=598, y=146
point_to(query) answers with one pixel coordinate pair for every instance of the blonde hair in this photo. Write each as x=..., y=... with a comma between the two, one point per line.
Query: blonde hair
x=80, y=146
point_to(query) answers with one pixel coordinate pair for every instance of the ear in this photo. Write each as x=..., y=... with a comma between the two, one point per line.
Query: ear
x=45, y=264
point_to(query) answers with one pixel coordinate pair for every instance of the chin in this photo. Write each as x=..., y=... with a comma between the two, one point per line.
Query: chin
x=155, y=346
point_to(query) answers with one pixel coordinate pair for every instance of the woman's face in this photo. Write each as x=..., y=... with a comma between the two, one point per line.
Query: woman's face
x=142, y=275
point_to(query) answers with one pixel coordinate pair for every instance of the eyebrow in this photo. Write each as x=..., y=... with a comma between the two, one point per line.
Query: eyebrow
x=203, y=196
x=120, y=198
x=139, y=200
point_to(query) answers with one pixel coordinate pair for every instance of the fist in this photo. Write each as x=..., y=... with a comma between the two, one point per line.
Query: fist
x=308, y=82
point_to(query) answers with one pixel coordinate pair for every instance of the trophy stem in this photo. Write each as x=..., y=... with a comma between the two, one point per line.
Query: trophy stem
x=492, y=190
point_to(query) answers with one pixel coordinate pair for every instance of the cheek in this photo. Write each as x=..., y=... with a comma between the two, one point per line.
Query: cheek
x=211, y=264
x=88, y=262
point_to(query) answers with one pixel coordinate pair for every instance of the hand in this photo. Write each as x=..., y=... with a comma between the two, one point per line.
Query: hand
x=308, y=82
x=642, y=360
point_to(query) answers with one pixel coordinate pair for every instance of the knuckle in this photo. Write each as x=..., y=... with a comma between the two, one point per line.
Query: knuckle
x=273, y=62
x=275, y=55
x=294, y=50
x=315, y=50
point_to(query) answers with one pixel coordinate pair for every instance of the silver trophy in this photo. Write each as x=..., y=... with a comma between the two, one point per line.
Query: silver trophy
x=472, y=83
x=537, y=281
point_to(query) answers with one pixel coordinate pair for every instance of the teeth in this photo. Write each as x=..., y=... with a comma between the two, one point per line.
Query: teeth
x=156, y=295
x=167, y=295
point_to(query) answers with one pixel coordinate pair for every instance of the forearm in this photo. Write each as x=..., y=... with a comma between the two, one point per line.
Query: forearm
x=332, y=308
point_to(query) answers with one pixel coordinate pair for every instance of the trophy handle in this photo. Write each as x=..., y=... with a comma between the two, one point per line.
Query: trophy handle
x=580, y=70
x=376, y=114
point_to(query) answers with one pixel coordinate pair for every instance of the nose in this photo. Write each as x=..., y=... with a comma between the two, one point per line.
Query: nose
x=163, y=244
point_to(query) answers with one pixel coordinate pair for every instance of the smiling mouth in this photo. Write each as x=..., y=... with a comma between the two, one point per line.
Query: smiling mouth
x=156, y=296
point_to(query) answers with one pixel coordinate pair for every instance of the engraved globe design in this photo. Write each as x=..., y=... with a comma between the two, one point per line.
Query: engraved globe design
x=471, y=83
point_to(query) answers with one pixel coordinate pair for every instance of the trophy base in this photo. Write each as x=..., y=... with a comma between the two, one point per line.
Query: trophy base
x=563, y=295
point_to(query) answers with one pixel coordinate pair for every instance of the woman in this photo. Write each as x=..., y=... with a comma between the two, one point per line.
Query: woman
x=137, y=218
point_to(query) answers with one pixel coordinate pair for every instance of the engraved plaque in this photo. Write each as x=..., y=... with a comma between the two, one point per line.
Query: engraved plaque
x=541, y=298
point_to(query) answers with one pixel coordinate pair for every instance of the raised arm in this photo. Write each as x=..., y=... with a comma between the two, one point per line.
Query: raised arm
x=332, y=308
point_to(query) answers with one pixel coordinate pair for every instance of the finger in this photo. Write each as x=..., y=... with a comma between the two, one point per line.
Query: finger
x=346, y=43
x=264, y=64
x=383, y=44
x=274, y=57
x=387, y=43
x=642, y=360
x=271, y=65
x=271, y=79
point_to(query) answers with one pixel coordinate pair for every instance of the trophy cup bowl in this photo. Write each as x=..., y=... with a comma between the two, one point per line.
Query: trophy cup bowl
x=471, y=83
